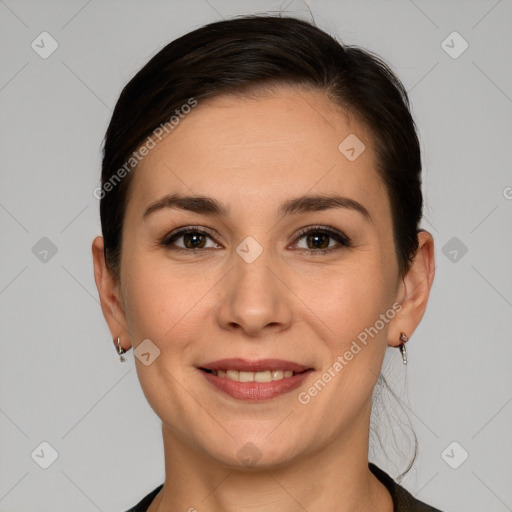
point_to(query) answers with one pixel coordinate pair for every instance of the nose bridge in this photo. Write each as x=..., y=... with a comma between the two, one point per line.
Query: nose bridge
x=255, y=281
x=254, y=297
x=254, y=285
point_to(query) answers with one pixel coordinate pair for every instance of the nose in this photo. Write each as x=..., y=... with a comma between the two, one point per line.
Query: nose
x=254, y=299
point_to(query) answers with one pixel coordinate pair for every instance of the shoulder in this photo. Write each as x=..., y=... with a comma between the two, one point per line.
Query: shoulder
x=143, y=504
x=403, y=500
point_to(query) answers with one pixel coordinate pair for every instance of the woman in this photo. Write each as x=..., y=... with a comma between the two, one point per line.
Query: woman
x=260, y=208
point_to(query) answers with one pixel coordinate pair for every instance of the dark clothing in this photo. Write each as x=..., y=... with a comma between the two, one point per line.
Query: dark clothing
x=403, y=501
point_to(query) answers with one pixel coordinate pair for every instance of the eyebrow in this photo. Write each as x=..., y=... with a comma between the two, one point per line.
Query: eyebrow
x=209, y=206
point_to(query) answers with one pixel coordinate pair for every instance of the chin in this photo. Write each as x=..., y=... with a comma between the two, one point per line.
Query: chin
x=255, y=453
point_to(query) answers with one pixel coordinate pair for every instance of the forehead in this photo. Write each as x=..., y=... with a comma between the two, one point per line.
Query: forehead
x=244, y=150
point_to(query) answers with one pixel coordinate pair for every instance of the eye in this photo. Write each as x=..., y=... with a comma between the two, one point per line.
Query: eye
x=318, y=239
x=191, y=238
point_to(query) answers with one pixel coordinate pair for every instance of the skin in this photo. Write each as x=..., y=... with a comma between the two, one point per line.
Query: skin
x=252, y=154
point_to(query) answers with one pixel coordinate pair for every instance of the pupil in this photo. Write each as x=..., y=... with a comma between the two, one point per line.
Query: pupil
x=315, y=239
x=191, y=241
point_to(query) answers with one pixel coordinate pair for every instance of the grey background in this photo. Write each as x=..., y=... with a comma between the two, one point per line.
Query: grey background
x=60, y=379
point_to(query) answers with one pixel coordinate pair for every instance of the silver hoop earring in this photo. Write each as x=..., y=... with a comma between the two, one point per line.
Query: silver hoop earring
x=404, y=339
x=120, y=351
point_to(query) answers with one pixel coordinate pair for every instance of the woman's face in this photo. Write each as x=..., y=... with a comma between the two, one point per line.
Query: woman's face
x=258, y=283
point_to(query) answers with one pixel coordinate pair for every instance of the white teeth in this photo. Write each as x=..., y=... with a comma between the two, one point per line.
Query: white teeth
x=233, y=374
x=265, y=376
x=277, y=374
x=246, y=376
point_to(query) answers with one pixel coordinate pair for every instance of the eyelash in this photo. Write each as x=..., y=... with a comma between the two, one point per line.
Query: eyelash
x=341, y=238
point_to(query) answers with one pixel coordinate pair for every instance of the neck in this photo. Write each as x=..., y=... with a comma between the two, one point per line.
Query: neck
x=335, y=478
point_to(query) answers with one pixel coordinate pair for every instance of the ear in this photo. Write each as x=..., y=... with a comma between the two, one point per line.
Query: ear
x=414, y=290
x=110, y=296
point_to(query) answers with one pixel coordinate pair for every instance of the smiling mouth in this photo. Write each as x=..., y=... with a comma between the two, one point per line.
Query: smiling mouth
x=255, y=386
x=260, y=376
x=254, y=380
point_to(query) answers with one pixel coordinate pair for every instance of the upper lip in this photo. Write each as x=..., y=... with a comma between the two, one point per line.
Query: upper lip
x=259, y=365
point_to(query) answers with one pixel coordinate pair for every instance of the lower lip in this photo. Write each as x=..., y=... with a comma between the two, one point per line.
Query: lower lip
x=256, y=391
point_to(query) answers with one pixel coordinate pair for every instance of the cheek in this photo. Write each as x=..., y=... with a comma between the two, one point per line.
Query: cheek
x=167, y=302
x=155, y=297
x=162, y=305
x=162, y=300
x=349, y=298
x=354, y=309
